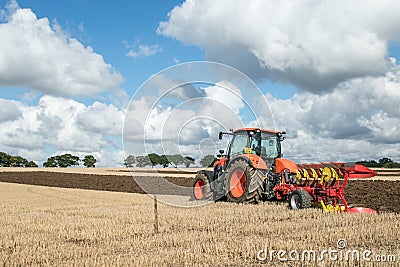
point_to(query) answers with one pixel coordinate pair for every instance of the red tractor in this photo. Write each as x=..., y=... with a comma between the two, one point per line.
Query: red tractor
x=253, y=170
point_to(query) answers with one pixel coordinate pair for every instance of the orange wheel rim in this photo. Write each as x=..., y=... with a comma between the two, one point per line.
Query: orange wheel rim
x=237, y=183
x=198, y=189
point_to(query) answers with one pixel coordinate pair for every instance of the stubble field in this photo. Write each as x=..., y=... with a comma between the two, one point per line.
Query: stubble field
x=62, y=227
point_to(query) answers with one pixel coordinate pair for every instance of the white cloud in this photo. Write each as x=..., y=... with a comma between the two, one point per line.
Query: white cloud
x=39, y=56
x=144, y=51
x=226, y=93
x=336, y=50
x=58, y=125
x=359, y=119
x=9, y=110
x=180, y=125
x=313, y=44
x=103, y=118
x=174, y=88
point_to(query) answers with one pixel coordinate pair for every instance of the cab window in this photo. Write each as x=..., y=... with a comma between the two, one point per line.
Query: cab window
x=239, y=142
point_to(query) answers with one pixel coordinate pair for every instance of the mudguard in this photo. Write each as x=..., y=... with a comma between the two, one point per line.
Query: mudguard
x=282, y=164
x=255, y=161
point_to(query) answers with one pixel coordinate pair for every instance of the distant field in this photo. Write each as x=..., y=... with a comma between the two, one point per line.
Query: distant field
x=65, y=227
x=387, y=174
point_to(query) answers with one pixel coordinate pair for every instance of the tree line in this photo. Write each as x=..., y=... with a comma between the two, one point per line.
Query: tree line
x=68, y=160
x=7, y=160
x=153, y=160
x=381, y=163
x=175, y=160
x=62, y=161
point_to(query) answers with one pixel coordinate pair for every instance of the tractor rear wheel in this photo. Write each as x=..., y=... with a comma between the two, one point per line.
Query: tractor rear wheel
x=201, y=188
x=299, y=199
x=243, y=183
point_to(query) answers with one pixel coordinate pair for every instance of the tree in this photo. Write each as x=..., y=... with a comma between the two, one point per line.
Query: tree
x=67, y=160
x=62, y=161
x=4, y=159
x=208, y=161
x=31, y=164
x=176, y=159
x=50, y=163
x=188, y=161
x=89, y=161
x=129, y=161
x=142, y=161
x=369, y=163
x=7, y=160
x=391, y=165
x=383, y=161
x=17, y=161
x=154, y=159
x=158, y=160
x=163, y=160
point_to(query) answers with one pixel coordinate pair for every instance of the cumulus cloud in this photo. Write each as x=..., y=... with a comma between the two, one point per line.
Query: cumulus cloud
x=195, y=115
x=100, y=117
x=359, y=119
x=9, y=111
x=144, y=51
x=313, y=44
x=337, y=51
x=62, y=125
x=170, y=88
x=227, y=93
x=40, y=56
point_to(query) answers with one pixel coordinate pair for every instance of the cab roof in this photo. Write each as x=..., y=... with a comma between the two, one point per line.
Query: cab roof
x=254, y=129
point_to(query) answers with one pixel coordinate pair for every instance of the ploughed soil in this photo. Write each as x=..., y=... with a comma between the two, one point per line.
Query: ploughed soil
x=384, y=196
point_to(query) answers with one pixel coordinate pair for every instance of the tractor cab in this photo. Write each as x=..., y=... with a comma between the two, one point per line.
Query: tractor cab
x=263, y=143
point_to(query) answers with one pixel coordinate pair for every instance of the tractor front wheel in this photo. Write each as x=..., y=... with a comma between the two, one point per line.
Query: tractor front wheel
x=201, y=188
x=299, y=199
x=243, y=183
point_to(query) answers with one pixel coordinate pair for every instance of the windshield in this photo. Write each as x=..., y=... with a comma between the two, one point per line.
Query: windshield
x=239, y=142
x=265, y=145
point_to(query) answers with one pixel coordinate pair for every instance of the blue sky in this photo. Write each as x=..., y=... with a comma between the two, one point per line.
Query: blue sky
x=329, y=72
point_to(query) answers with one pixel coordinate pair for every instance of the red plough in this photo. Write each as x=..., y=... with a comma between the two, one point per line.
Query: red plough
x=324, y=183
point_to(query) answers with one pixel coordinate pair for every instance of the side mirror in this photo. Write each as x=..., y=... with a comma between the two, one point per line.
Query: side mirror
x=220, y=135
x=221, y=151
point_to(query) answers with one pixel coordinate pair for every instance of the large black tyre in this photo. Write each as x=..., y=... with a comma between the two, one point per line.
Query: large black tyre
x=201, y=188
x=243, y=183
x=299, y=199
